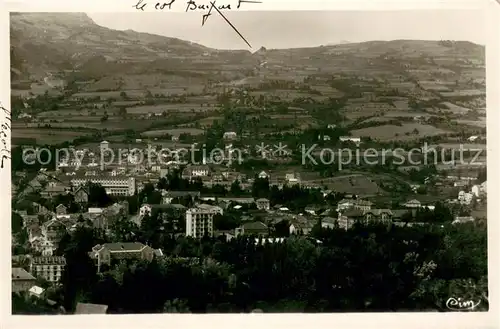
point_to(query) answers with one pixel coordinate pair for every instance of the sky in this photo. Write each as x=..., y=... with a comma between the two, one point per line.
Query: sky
x=282, y=29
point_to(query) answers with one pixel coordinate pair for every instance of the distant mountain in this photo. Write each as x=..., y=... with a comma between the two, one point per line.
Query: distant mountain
x=44, y=43
x=60, y=41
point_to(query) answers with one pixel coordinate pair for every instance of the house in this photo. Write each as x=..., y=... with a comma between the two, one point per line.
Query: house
x=61, y=210
x=85, y=308
x=49, y=268
x=355, y=140
x=253, y=228
x=263, y=204
x=412, y=204
x=329, y=222
x=382, y=215
x=53, y=230
x=462, y=220
x=81, y=195
x=36, y=291
x=312, y=210
x=42, y=245
x=196, y=171
x=106, y=253
x=465, y=198
x=53, y=190
x=229, y=135
x=263, y=175
x=104, y=145
x=300, y=226
x=22, y=280
x=472, y=138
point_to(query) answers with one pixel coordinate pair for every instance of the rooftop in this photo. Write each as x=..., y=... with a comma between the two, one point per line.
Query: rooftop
x=19, y=273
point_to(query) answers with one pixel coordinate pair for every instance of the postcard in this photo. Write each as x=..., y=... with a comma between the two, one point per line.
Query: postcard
x=249, y=163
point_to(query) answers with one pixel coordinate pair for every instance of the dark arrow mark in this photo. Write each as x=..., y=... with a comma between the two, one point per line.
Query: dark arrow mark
x=227, y=21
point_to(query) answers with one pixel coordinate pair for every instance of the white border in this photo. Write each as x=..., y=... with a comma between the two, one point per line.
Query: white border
x=385, y=320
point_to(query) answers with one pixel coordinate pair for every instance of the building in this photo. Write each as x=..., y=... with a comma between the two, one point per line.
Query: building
x=355, y=140
x=199, y=220
x=105, y=254
x=21, y=280
x=371, y=215
x=86, y=308
x=229, y=135
x=253, y=228
x=263, y=204
x=413, y=204
x=196, y=171
x=118, y=186
x=81, y=195
x=263, y=175
x=36, y=291
x=465, y=198
x=53, y=231
x=462, y=220
x=61, y=210
x=49, y=268
x=169, y=196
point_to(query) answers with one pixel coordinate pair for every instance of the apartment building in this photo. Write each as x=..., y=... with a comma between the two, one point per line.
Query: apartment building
x=199, y=220
x=50, y=268
x=114, y=185
x=21, y=280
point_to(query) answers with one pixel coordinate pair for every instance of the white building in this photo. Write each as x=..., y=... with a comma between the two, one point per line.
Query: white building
x=199, y=220
x=120, y=186
x=355, y=140
x=230, y=135
x=465, y=198
x=49, y=268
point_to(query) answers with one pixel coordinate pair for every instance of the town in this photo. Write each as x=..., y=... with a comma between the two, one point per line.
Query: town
x=178, y=184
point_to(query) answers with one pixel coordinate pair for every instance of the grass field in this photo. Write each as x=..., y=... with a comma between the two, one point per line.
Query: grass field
x=190, y=107
x=47, y=136
x=392, y=132
x=455, y=108
x=173, y=132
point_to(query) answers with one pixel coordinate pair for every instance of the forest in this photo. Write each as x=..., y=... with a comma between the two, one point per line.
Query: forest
x=369, y=268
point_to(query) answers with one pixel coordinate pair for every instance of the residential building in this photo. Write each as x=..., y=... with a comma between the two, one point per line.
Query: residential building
x=465, y=198
x=42, y=245
x=61, y=210
x=196, y=171
x=229, y=135
x=49, y=268
x=53, y=230
x=199, y=220
x=263, y=175
x=81, y=195
x=263, y=204
x=21, y=280
x=413, y=204
x=253, y=228
x=118, y=186
x=355, y=140
x=106, y=253
x=462, y=220
x=36, y=291
x=328, y=222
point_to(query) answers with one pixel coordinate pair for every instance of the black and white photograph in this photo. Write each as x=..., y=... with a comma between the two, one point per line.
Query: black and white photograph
x=211, y=160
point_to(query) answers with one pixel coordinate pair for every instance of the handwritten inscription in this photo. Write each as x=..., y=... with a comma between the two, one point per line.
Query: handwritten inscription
x=5, y=130
x=192, y=5
x=460, y=304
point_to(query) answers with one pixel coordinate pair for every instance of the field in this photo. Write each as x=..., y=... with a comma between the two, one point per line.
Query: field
x=455, y=108
x=191, y=107
x=173, y=132
x=481, y=123
x=46, y=136
x=353, y=184
x=391, y=132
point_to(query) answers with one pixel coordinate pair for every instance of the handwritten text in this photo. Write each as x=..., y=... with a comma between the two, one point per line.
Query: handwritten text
x=5, y=130
x=460, y=304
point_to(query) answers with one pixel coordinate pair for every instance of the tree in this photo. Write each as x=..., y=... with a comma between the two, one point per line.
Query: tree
x=236, y=188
